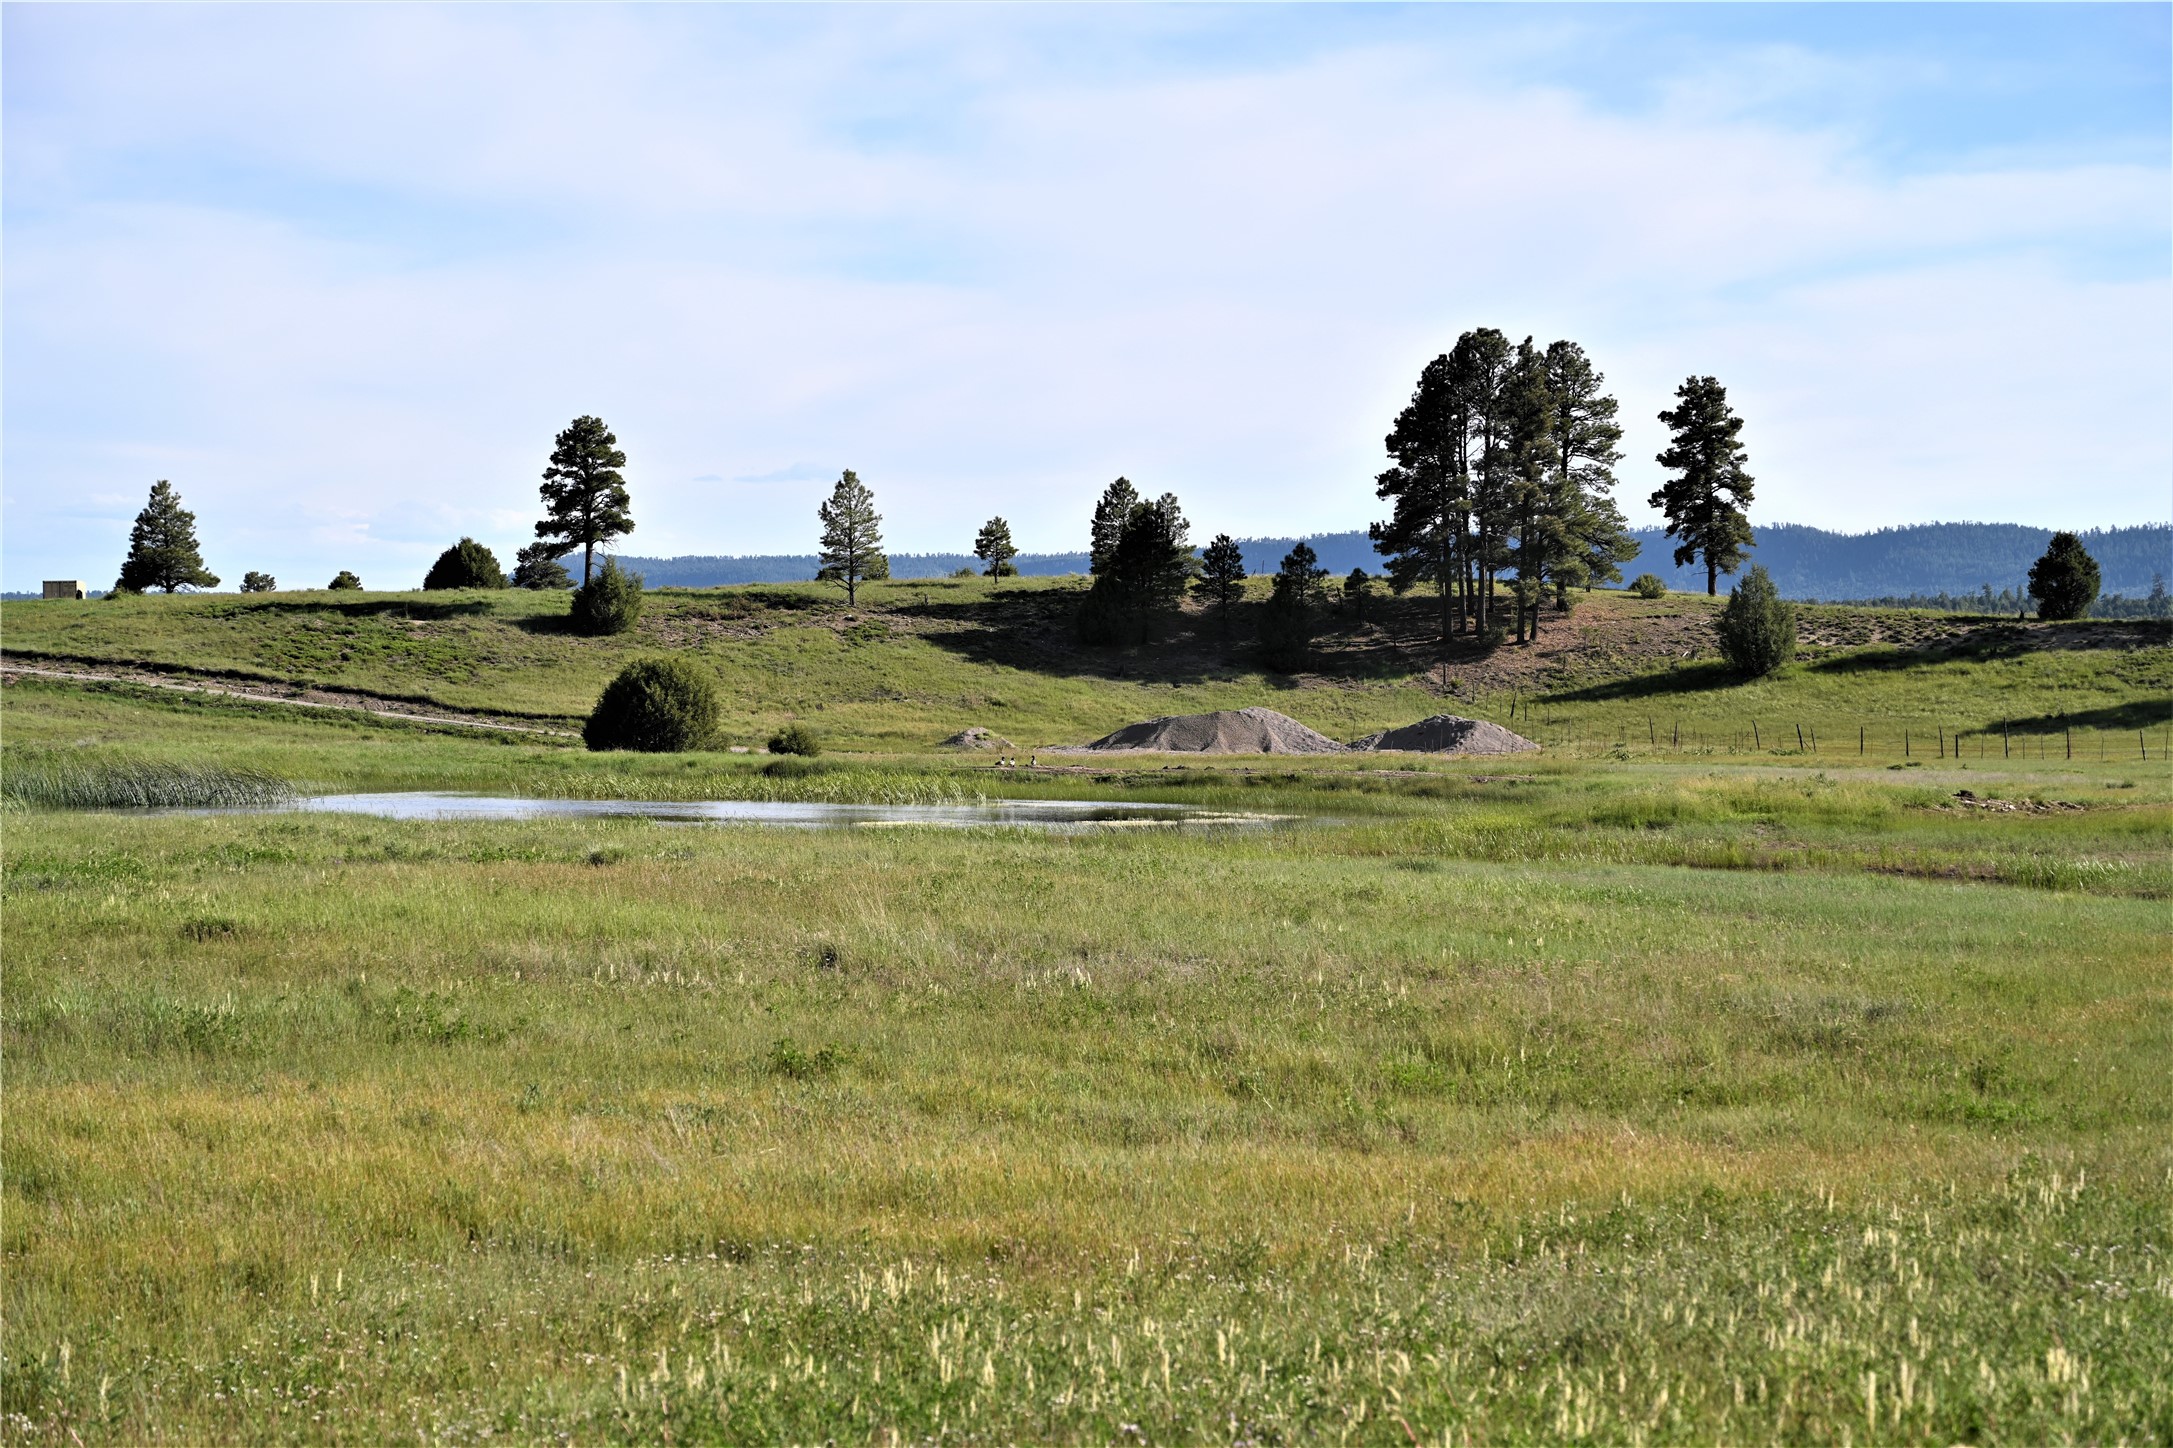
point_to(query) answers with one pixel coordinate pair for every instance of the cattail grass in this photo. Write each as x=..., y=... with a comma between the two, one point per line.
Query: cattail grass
x=137, y=784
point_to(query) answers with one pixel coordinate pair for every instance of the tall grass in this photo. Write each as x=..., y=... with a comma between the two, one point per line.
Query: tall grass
x=137, y=784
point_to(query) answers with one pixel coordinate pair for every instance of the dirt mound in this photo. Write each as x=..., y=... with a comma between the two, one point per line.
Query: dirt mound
x=977, y=738
x=1448, y=734
x=1226, y=731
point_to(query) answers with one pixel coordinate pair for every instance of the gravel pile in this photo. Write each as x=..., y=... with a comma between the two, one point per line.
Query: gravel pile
x=1226, y=731
x=977, y=738
x=1448, y=734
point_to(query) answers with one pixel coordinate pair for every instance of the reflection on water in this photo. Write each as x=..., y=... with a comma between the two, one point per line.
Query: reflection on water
x=1039, y=814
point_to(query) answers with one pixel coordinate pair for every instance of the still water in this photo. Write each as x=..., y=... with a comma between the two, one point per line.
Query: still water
x=1036, y=814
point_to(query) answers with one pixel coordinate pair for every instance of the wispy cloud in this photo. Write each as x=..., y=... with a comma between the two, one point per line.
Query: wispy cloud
x=312, y=260
x=795, y=473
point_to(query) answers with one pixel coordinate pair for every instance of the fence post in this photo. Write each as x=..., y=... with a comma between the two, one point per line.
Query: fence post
x=1652, y=733
x=2071, y=741
x=1905, y=744
x=1755, y=741
x=1859, y=740
x=1799, y=739
x=2006, y=743
x=1942, y=741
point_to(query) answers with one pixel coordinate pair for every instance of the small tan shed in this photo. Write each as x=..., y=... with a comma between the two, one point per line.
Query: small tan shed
x=65, y=588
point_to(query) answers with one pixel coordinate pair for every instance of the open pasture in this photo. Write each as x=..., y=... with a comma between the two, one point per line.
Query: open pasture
x=1604, y=1094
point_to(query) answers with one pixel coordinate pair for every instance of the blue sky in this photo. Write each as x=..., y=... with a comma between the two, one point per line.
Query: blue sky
x=341, y=272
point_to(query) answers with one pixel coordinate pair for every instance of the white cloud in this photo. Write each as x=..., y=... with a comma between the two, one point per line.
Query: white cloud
x=380, y=257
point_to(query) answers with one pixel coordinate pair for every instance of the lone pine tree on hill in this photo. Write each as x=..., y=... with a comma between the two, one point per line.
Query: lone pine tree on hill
x=993, y=546
x=1707, y=499
x=852, y=537
x=584, y=495
x=2065, y=581
x=162, y=549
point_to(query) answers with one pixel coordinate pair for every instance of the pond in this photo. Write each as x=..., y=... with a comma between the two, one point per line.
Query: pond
x=1062, y=815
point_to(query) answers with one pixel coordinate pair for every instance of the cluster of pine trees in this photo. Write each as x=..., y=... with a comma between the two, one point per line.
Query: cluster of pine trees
x=1503, y=460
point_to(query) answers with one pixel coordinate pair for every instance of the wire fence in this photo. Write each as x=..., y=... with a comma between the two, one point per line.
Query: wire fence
x=1883, y=739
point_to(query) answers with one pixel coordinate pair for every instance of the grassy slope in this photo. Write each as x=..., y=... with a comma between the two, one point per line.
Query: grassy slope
x=920, y=660
x=1476, y=1113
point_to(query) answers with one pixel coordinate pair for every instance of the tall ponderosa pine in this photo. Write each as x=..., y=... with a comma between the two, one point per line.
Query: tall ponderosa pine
x=1222, y=576
x=993, y=546
x=852, y=537
x=1143, y=580
x=1707, y=499
x=584, y=495
x=1110, y=515
x=1587, y=443
x=2065, y=581
x=1288, y=624
x=162, y=547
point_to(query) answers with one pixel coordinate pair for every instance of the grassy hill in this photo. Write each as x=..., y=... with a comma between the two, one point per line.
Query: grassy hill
x=919, y=660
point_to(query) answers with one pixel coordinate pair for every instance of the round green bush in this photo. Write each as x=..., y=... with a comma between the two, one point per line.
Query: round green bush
x=660, y=706
x=344, y=580
x=796, y=739
x=609, y=603
x=467, y=564
x=1648, y=585
x=1757, y=629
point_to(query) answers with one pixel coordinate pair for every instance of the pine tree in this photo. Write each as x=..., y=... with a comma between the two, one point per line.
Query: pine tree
x=255, y=582
x=1531, y=488
x=1706, y=501
x=1110, y=516
x=584, y=494
x=162, y=549
x=993, y=546
x=344, y=580
x=1287, y=627
x=1222, y=576
x=1587, y=438
x=2065, y=581
x=1357, y=587
x=852, y=537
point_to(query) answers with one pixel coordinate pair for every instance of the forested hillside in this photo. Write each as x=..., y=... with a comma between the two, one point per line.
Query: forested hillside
x=1812, y=563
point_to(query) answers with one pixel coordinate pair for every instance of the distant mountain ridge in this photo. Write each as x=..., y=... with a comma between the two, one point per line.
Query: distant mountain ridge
x=1806, y=563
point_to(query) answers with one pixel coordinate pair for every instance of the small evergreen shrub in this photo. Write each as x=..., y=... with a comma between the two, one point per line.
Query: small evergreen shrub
x=659, y=706
x=343, y=580
x=1648, y=585
x=467, y=564
x=1757, y=629
x=609, y=603
x=796, y=739
x=255, y=582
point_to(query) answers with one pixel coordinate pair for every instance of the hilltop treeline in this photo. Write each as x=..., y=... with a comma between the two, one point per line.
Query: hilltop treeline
x=1922, y=559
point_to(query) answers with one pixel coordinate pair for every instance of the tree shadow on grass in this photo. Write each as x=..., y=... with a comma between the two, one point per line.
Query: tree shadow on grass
x=2133, y=715
x=1696, y=678
x=425, y=610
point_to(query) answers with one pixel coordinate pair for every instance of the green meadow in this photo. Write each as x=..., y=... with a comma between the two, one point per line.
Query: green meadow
x=1651, y=1088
